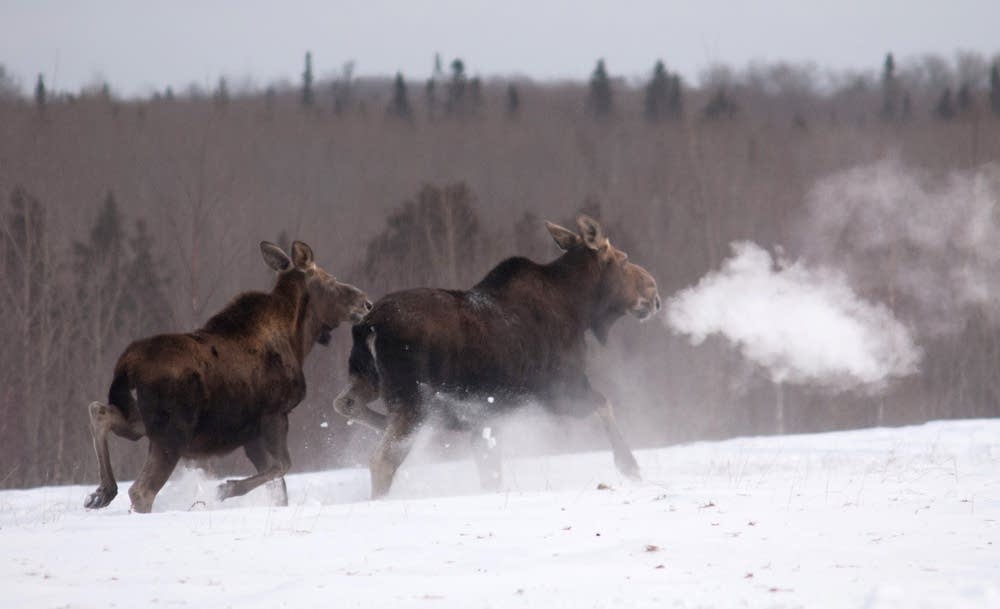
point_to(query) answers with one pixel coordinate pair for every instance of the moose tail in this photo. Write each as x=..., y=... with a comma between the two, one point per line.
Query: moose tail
x=361, y=363
x=120, y=392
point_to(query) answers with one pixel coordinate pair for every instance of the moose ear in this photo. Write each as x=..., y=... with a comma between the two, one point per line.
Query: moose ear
x=274, y=256
x=564, y=237
x=302, y=254
x=592, y=233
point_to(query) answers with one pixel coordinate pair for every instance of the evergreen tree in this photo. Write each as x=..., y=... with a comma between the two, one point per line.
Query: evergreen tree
x=339, y=97
x=456, y=103
x=99, y=271
x=890, y=88
x=599, y=102
x=963, y=100
x=995, y=89
x=40, y=94
x=676, y=97
x=107, y=234
x=9, y=87
x=307, y=82
x=102, y=253
x=120, y=288
x=945, y=109
x=269, y=98
x=342, y=88
x=475, y=95
x=657, y=94
x=907, y=111
x=400, y=104
x=147, y=283
x=222, y=93
x=720, y=106
x=438, y=72
x=513, y=101
x=430, y=98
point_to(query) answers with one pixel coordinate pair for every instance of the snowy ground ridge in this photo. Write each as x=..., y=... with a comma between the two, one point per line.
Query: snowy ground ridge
x=877, y=519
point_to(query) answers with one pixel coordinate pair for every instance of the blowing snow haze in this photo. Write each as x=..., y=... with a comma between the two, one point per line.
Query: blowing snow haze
x=804, y=325
x=927, y=243
x=924, y=244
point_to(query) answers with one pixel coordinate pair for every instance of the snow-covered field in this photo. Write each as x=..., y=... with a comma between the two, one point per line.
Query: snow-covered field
x=882, y=518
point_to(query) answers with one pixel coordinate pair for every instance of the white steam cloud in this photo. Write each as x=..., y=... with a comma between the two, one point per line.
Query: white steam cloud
x=928, y=244
x=804, y=325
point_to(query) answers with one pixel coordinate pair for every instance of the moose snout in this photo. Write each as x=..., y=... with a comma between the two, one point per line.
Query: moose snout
x=647, y=307
x=360, y=308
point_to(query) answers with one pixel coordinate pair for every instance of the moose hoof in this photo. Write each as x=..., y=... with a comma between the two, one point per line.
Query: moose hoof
x=277, y=492
x=227, y=489
x=100, y=498
x=628, y=467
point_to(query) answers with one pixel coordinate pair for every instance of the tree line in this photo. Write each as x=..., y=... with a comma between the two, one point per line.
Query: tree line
x=955, y=93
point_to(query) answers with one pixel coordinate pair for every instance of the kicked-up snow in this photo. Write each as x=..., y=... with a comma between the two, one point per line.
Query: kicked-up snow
x=879, y=519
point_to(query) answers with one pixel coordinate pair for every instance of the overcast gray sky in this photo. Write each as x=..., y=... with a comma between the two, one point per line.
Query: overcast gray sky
x=142, y=46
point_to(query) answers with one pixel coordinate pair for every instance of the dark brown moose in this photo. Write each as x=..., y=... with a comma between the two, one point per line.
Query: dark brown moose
x=230, y=384
x=462, y=357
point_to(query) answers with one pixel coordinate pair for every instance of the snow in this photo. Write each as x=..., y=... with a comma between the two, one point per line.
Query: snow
x=876, y=519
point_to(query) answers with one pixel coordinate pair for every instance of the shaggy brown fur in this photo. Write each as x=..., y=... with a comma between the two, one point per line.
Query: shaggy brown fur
x=517, y=336
x=230, y=384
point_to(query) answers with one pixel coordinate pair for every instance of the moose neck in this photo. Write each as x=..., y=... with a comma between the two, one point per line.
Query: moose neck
x=311, y=329
x=292, y=298
x=578, y=272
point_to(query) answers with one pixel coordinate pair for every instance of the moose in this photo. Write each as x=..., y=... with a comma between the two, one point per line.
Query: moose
x=230, y=384
x=518, y=336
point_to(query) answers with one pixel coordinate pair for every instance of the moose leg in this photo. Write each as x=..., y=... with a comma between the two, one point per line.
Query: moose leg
x=624, y=460
x=105, y=418
x=160, y=462
x=353, y=404
x=486, y=453
x=391, y=451
x=274, y=440
x=261, y=460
